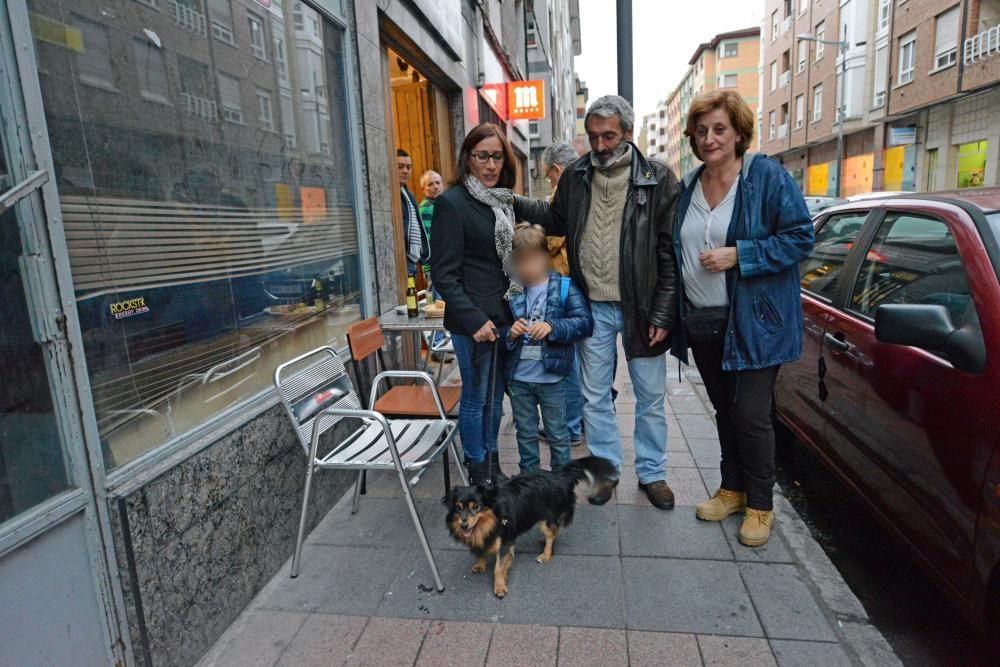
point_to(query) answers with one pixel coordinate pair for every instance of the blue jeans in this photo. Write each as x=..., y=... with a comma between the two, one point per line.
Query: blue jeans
x=649, y=380
x=526, y=398
x=474, y=361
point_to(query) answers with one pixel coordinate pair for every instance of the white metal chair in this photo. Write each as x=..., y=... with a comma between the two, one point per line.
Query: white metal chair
x=317, y=393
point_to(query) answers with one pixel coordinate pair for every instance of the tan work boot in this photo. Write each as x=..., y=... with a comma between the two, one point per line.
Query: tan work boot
x=756, y=528
x=721, y=505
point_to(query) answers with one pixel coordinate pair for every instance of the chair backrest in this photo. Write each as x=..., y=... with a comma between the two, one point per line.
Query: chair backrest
x=311, y=383
x=365, y=339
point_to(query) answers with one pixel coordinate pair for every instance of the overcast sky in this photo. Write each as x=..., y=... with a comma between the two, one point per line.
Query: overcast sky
x=665, y=36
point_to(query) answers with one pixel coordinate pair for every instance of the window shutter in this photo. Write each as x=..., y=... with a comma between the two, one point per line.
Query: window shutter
x=880, y=64
x=946, y=32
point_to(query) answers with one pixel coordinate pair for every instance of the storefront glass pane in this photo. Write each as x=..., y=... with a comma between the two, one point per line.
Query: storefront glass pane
x=972, y=164
x=32, y=468
x=207, y=197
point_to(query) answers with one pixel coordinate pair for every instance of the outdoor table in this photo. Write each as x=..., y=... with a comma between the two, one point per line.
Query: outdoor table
x=401, y=323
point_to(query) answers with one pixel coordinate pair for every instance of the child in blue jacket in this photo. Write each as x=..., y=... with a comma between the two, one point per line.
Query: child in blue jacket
x=551, y=314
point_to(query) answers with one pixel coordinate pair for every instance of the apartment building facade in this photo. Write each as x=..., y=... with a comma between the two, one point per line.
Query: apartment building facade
x=916, y=80
x=728, y=60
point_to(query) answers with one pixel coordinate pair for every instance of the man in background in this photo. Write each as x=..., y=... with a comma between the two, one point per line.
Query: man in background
x=431, y=184
x=415, y=239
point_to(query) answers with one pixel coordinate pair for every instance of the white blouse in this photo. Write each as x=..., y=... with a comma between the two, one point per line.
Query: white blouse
x=705, y=228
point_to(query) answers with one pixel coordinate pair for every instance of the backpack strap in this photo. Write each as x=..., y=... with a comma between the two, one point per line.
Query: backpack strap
x=563, y=289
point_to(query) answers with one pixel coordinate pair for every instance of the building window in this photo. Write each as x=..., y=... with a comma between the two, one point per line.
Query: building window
x=883, y=15
x=533, y=129
x=878, y=99
x=730, y=49
x=803, y=6
x=258, y=40
x=188, y=15
x=220, y=13
x=817, y=102
x=281, y=58
x=803, y=56
x=946, y=38
x=932, y=167
x=531, y=33
x=728, y=81
x=265, y=114
x=229, y=96
x=907, y=50
x=820, y=35
x=774, y=25
x=93, y=64
x=771, y=125
x=155, y=4
x=972, y=164
x=774, y=75
x=800, y=111
x=152, y=71
x=214, y=262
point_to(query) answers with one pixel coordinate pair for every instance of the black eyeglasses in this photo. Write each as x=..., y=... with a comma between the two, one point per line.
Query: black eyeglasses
x=483, y=157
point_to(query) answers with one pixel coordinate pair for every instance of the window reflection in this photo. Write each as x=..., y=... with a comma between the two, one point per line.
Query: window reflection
x=210, y=223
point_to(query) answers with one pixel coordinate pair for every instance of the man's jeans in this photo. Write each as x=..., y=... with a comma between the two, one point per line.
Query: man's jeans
x=474, y=361
x=525, y=400
x=574, y=401
x=649, y=381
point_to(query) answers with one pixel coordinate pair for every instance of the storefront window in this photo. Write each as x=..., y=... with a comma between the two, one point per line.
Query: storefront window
x=206, y=247
x=972, y=164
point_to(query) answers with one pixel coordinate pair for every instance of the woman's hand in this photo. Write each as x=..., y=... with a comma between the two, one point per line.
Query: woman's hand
x=718, y=259
x=486, y=333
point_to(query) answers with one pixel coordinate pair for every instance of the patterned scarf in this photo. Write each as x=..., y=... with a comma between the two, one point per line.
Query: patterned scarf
x=501, y=200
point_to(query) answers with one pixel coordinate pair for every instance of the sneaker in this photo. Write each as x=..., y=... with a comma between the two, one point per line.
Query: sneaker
x=721, y=505
x=756, y=528
x=659, y=494
x=602, y=492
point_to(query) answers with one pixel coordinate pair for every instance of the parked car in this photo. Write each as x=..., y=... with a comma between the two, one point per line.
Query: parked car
x=897, y=389
x=861, y=196
x=817, y=205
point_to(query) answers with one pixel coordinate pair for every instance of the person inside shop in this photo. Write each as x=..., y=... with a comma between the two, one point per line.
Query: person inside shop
x=471, y=243
x=433, y=186
x=414, y=237
x=742, y=228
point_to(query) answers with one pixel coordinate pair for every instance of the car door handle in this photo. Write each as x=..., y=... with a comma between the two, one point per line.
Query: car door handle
x=837, y=343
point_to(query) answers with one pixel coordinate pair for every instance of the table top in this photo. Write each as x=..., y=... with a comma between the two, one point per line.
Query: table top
x=393, y=321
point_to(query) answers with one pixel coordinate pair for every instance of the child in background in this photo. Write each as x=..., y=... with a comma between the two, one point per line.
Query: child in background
x=551, y=315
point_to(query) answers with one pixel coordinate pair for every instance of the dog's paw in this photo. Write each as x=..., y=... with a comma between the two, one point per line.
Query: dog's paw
x=542, y=558
x=479, y=567
x=500, y=590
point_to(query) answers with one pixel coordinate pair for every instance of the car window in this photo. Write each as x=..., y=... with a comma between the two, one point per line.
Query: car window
x=914, y=260
x=820, y=272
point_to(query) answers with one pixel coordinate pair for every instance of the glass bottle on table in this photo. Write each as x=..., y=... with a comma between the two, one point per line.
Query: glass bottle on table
x=411, y=297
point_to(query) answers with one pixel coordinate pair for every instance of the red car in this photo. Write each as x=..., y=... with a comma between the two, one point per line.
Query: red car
x=898, y=388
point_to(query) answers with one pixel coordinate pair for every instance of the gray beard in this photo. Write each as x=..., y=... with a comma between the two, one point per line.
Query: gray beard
x=615, y=155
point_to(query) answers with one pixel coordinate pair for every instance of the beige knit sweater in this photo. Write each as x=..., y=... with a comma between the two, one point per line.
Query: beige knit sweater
x=601, y=238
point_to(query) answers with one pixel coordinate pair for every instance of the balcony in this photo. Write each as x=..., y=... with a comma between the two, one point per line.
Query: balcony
x=984, y=45
x=786, y=25
x=188, y=18
x=783, y=131
x=785, y=79
x=199, y=107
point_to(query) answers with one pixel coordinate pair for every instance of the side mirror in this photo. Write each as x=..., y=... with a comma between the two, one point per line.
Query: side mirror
x=929, y=327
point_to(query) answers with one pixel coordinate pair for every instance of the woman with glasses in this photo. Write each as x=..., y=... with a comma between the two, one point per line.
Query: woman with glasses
x=471, y=236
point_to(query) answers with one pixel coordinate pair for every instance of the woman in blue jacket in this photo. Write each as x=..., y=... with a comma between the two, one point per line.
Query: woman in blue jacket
x=742, y=228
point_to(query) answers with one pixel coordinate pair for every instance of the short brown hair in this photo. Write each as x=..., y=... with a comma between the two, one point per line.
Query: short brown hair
x=739, y=112
x=508, y=172
x=530, y=237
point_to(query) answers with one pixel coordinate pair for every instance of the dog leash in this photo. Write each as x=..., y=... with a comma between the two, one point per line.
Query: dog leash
x=492, y=396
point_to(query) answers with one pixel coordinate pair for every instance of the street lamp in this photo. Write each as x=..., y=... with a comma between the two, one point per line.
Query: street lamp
x=841, y=102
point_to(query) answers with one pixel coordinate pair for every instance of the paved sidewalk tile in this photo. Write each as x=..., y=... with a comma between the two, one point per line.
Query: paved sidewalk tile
x=712, y=478
x=698, y=426
x=647, y=531
x=592, y=646
x=681, y=459
x=594, y=532
x=735, y=651
x=686, y=483
x=699, y=596
x=809, y=654
x=455, y=644
x=785, y=604
x=519, y=645
x=388, y=642
x=659, y=649
x=774, y=551
x=257, y=637
x=380, y=522
x=325, y=639
x=706, y=451
x=687, y=405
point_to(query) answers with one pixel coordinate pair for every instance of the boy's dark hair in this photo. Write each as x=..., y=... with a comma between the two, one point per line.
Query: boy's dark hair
x=401, y=153
x=530, y=237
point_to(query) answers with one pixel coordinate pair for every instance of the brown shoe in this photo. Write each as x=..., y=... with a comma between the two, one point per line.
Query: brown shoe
x=659, y=494
x=721, y=505
x=602, y=492
x=756, y=528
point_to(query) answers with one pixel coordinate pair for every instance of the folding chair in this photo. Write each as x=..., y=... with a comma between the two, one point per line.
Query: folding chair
x=317, y=393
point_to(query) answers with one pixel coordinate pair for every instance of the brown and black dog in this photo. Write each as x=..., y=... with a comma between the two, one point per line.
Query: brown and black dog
x=489, y=519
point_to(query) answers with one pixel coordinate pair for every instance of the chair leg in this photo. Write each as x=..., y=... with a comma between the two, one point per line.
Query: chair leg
x=447, y=470
x=420, y=532
x=297, y=557
x=357, y=491
x=458, y=463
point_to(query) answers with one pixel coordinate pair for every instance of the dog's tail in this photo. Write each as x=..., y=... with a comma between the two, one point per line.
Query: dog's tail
x=595, y=469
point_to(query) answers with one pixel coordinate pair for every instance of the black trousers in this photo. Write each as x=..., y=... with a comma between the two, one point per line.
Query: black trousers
x=742, y=401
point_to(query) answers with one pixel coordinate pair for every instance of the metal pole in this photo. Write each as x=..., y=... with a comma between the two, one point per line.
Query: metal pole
x=841, y=113
x=624, y=16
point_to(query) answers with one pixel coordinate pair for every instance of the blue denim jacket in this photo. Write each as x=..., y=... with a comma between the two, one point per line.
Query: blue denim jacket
x=571, y=321
x=772, y=232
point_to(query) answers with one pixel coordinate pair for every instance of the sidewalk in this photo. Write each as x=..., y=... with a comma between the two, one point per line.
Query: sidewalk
x=628, y=585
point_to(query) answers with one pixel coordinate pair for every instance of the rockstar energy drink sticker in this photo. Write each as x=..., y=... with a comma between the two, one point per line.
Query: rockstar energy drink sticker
x=123, y=309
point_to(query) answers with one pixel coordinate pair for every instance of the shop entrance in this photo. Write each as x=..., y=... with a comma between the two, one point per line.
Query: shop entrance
x=421, y=126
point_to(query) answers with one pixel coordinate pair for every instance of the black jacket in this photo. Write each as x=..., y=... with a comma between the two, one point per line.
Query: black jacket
x=466, y=269
x=648, y=270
